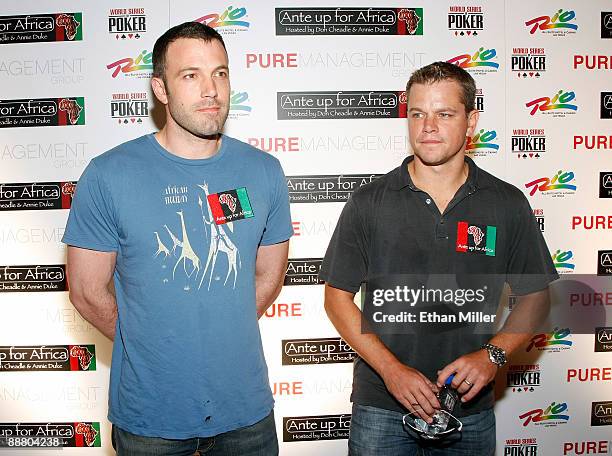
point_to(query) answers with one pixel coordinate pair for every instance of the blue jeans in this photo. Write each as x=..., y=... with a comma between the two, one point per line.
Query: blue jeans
x=258, y=439
x=380, y=432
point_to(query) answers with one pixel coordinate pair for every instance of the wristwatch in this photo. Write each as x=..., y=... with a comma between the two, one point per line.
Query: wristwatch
x=496, y=354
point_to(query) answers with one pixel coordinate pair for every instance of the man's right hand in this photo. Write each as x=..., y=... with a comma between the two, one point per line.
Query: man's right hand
x=413, y=390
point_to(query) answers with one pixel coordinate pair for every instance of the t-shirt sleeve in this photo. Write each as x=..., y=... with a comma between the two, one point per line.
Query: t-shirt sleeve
x=530, y=266
x=345, y=264
x=91, y=222
x=278, y=224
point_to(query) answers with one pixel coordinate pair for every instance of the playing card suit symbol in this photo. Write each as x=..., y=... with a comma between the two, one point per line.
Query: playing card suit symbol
x=139, y=121
x=462, y=33
x=530, y=154
x=469, y=33
x=130, y=35
x=475, y=33
x=525, y=389
x=524, y=155
x=137, y=36
x=456, y=33
x=117, y=36
x=119, y=120
x=123, y=37
x=524, y=75
x=133, y=120
x=531, y=389
x=537, y=155
x=513, y=390
x=537, y=75
x=125, y=121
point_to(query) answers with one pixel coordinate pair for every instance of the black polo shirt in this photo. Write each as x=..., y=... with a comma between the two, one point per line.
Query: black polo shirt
x=390, y=227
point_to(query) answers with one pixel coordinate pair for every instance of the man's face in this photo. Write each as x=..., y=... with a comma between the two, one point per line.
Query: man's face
x=197, y=87
x=437, y=122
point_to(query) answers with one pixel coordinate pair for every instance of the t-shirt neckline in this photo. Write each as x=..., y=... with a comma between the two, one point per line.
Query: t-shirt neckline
x=188, y=161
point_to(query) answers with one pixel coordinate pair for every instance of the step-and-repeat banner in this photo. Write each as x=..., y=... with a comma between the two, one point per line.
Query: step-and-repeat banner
x=320, y=87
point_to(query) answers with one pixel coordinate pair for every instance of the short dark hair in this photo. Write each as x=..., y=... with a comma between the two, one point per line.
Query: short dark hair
x=194, y=30
x=442, y=71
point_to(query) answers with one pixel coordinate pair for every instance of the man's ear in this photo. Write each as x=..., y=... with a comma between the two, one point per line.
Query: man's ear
x=159, y=89
x=472, y=122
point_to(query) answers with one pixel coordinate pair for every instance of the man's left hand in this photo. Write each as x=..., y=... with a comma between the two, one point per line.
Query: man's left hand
x=472, y=372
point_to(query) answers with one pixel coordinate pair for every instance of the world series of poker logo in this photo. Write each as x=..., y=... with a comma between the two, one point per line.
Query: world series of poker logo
x=39, y=278
x=349, y=21
x=528, y=143
x=37, y=28
x=129, y=108
x=42, y=112
x=318, y=427
x=528, y=63
x=523, y=378
x=296, y=352
x=36, y=196
x=465, y=20
x=525, y=446
x=50, y=435
x=349, y=104
x=48, y=358
x=127, y=23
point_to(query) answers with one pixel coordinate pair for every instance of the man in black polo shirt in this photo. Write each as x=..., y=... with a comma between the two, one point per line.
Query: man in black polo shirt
x=437, y=215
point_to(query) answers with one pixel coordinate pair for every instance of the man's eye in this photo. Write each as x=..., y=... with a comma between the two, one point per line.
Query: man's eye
x=417, y=115
x=221, y=74
x=445, y=115
x=189, y=76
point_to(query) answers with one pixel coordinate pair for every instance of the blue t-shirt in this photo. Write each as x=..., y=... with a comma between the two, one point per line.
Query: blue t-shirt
x=187, y=356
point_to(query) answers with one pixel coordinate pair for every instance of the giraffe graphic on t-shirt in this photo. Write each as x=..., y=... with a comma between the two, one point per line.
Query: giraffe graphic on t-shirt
x=219, y=242
x=187, y=252
x=161, y=248
x=175, y=241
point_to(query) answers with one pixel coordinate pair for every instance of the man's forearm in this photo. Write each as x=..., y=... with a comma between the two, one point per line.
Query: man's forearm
x=267, y=290
x=347, y=319
x=523, y=321
x=99, y=309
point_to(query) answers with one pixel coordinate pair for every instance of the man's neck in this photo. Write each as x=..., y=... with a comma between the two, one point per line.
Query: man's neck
x=441, y=182
x=183, y=144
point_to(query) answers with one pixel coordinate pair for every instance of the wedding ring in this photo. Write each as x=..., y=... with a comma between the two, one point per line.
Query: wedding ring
x=467, y=382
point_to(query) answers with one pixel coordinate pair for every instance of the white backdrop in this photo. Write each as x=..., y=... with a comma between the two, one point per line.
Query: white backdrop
x=103, y=66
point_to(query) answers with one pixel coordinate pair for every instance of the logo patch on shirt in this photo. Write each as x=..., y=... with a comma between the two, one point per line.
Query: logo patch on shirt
x=476, y=238
x=230, y=205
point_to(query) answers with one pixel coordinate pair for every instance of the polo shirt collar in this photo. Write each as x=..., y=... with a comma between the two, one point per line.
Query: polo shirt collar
x=402, y=176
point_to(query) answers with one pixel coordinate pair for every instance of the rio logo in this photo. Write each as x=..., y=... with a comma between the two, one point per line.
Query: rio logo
x=229, y=18
x=482, y=139
x=553, y=412
x=144, y=61
x=556, y=337
x=561, y=259
x=237, y=100
x=560, y=181
x=547, y=104
x=561, y=19
x=480, y=58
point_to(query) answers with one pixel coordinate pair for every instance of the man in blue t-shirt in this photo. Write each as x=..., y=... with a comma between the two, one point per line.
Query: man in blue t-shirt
x=192, y=227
